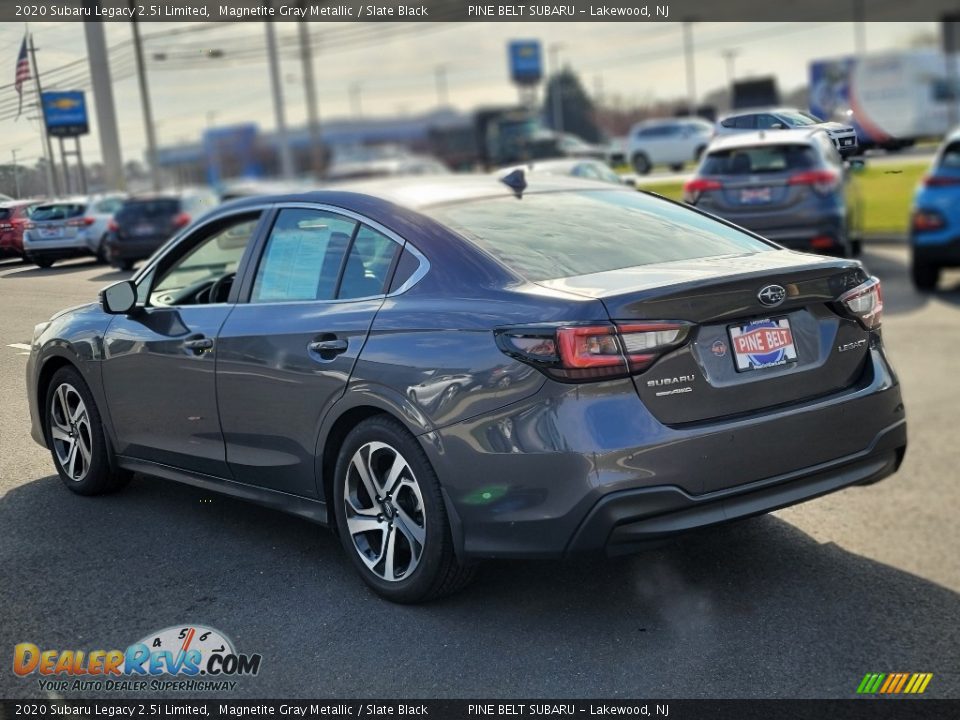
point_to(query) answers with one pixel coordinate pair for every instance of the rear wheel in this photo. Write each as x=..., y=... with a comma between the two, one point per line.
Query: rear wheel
x=677, y=167
x=102, y=250
x=124, y=265
x=856, y=248
x=641, y=163
x=43, y=262
x=925, y=275
x=391, y=516
x=75, y=435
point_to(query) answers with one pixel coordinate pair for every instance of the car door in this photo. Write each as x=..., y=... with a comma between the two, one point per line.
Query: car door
x=158, y=368
x=288, y=349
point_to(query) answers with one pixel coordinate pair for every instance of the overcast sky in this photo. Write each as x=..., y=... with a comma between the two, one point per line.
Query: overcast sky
x=392, y=67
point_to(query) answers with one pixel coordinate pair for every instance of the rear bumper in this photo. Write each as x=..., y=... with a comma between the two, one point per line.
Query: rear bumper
x=589, y=468
x=945, y=253
x=625, y=521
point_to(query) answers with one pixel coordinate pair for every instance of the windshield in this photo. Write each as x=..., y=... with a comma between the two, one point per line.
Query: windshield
x=544, y=236
x=762, y=159
x=798, y=119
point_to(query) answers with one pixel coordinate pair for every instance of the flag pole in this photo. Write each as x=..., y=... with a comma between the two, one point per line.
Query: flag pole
x=52, y=185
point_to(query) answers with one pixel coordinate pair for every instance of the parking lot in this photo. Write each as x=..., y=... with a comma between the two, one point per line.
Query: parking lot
x=801, y=603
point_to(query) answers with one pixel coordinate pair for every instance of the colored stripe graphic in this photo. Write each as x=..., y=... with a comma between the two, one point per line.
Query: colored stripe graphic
x=894, y=683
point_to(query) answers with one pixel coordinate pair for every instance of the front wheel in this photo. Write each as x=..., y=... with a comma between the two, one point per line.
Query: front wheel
x=391, y=516
x=76, y=439
x=641, y=164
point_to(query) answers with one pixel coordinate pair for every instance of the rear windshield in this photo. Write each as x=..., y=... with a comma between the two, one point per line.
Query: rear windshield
x=57, y=211
x=545, y=236
x=5, y=213
x=156, y=208
x=950, y=158
x=761, y=159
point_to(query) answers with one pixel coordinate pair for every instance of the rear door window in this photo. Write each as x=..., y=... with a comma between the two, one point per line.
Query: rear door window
x=745, y=122
x=303, y=257
x=368, y=266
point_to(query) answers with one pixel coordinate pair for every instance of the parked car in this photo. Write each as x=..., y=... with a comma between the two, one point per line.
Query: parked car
x=101, y=209
x=789, y=186
x=843, y=136
x=57, y=230
x=579, y=167
x=627, y=368
x=14, y=216
x=935, y=217
x=573, y=146
x=667, y=142
x=144, y=222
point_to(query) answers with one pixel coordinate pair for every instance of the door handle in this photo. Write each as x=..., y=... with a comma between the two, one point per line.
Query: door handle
x=328, y=347
x=200, y=343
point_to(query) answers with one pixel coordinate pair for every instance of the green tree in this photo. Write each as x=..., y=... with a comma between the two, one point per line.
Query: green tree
x=574, y=106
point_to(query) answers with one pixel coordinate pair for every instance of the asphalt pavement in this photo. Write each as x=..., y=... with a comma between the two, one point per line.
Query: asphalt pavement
x=801, y=603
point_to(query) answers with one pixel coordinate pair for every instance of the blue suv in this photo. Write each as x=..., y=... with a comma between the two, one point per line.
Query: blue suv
x=935, y=217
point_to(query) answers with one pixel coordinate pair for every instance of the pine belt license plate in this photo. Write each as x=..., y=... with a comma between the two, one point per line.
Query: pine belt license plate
x=755, y=196
x=762, y=344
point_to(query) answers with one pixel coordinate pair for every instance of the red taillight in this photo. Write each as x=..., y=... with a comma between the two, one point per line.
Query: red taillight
x=926, y=220
x=822, y=242
x=865, y=302
x=112, y=226
x=940, y=180
x=693, y=189
x=181, y=219
x=822, y=181
x=81, y=222
x=588, y=352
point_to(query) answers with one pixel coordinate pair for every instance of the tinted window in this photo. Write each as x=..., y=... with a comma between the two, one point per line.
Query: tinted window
x=368, y=265
x=406, y=267
x=5, y=213
x=303, y=256
x=158, y=208
x=766, y=122
x=761, y=159
x=745, y=122
x=798, y=119
x=552, y=235
x=58, y=211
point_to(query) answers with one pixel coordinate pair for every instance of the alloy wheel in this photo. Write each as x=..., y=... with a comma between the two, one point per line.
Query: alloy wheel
x=384, y=511
x=70, y=432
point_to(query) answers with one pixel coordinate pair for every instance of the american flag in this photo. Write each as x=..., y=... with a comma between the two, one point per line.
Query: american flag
x=23, y=72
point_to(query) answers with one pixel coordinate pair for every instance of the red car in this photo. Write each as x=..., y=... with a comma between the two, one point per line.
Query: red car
x=13, y=217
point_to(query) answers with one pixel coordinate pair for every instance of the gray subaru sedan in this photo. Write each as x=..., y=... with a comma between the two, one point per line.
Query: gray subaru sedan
x=451, y=369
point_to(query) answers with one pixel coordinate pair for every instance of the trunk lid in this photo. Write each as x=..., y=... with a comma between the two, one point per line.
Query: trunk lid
x=742, y=355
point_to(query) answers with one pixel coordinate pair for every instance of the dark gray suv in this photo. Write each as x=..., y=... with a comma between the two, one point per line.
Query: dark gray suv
x=791, y=186
x=460, y=368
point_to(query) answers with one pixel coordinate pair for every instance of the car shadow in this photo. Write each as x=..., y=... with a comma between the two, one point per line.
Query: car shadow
x=30, y=271
x=753, y=609
x=113, y=276
x=899, y=295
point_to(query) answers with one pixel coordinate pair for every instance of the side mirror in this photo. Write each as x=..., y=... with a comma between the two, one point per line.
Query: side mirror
x=628, y=180
x=778, y=126
x=119, y=298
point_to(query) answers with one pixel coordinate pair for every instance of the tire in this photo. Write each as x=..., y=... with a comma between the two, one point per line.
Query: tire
x=102, y=250
x=382, y=538
x=677, y=167
x=123, y=265
x=42, y=263
x=78, y=445
x=641, y=163
x=924, y=275
x=856, y=248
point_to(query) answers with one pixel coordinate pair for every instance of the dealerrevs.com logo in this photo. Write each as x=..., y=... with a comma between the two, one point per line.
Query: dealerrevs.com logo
x=190, y=658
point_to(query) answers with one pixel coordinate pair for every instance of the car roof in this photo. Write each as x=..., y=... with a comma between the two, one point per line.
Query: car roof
x=952, y=136
x=421, y=191
x=653, y=122
x=763, y=137
x=755, y=111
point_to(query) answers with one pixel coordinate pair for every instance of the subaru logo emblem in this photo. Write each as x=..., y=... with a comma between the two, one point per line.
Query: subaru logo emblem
x=772, y=295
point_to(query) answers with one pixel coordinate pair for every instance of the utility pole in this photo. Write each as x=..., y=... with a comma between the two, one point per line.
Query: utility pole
x=356, y=105
x=556, y=101
x=730, y=55
x=286, y=156
x=440, y=72
x=859, y=27
x=145, y=102
x=310, y=93
x=53, y=186
x=691, y=72
x=103, y=99
x=16, y=173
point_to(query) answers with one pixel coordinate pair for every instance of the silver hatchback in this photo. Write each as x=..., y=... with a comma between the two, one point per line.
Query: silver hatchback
x=790, y=186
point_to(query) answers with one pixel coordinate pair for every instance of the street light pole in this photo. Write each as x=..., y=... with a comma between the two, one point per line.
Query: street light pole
x=16, y=173
x=691, y=72
x=356, y=106
x=556, y=100
x=730, y=55
x=286, y=156
x=145, y=102
x=310, y=93
x=441, y=78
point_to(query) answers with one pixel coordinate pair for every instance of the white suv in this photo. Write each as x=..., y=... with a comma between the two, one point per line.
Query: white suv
x=844, y=137
x=672, y=142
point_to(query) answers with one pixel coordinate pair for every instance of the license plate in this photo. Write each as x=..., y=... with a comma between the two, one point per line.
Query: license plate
x=144, y=229
x=755, y=195
x=762, y=344
x=50, y=232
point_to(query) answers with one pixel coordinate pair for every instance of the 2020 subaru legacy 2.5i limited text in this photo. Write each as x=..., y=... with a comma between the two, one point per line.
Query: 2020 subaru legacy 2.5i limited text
x=461, y=368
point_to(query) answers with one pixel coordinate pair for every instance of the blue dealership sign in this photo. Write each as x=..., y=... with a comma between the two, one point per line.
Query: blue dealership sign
x=65, y=113
x=526, y=66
